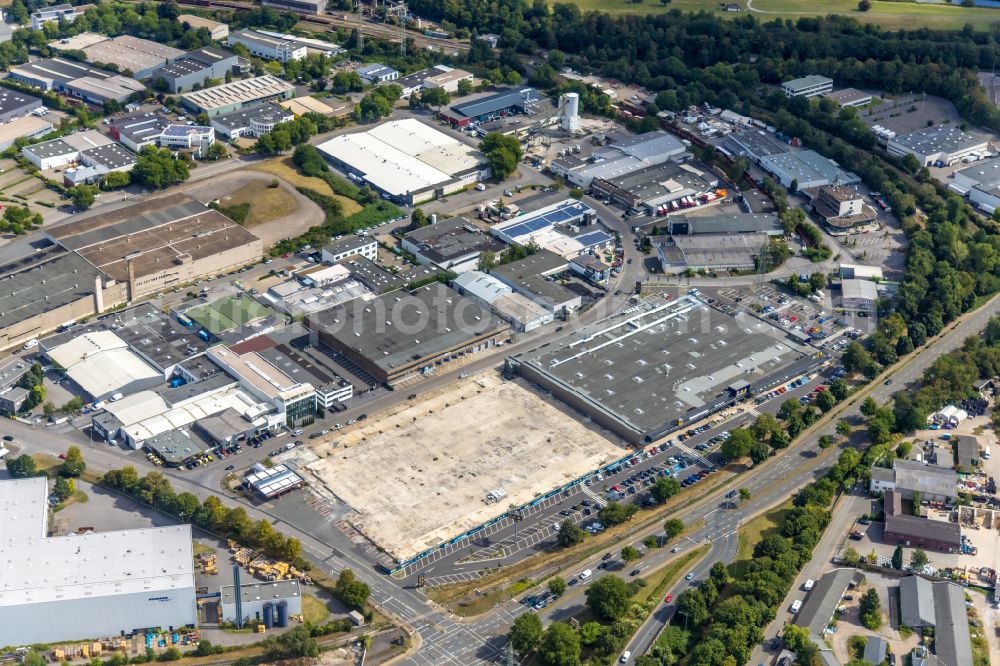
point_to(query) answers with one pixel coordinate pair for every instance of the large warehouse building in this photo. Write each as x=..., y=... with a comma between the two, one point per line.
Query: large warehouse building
x=88, y=585
x=407, y=160
x=942, y=143
x=400, y=336
x=644, y=374
x=237, y=95
x=160, y=243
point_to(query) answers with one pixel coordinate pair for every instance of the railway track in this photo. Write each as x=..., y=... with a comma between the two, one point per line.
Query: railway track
x=332, y=22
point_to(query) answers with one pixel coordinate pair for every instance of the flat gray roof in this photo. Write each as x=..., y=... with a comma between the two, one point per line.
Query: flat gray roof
x=267, y=112
x=113, y=156
x=807, y=165
x=12, y=101
x=273, y=591
x=349, y=244
x=726, y=223
x=952, y=642
x=939, y=138
x=140, y=127
x=59, y=70
x=665, y=180
x=659, y=365
x=540, y=263
x=43, y=281
x=807, y=82
x=754, y=142
x=396, y=329
x=12, y=370
x=450, y=239
x=985, y=172
x=174, y=446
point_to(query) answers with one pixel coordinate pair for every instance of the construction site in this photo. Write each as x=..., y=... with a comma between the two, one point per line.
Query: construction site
x=457, y=458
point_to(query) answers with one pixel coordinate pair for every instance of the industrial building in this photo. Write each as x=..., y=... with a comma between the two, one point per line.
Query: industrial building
x=940, y=605
x=159, y=243
x=547, y=227
x=407, y=160
x=294, y=400
x=84, y=586
x=844, y=210
x=522, y=313
x=452, y=245
x=849, y=98
x=14, y=104
x=399, y=337
x=268, y=483
x=981, y=182
x=501, y=104
x=621, y=158
x=375, y=73
x=821, y=605
x=812, y=85
x=48, y=288
x=56, y=73
x=238, y=95
x=711, y=252
x=806, y=169
x=858, y=295
x=438, y=76
x=298, y=6
x=300, y=106
x=65, y=150
x=255, y=121
x=174, y=447
x=266, y=46
x=132, y=54
x=590, y=268
x=330, y=387
x=102, y=365
x=933, y=482
x=916, y=531
x=219, y=31
x=135, y=132
x=55, y=13
x=196, y=67
x=349, y=246
x=28, y=127
x=671, y=185
x=725, y=223
x=195, y=139
x=944, y=144
x=857, y=271
x=262, y=603
x=532, y=277
x=380, y=281
x=754, y=144
x=648, y=372
x=967, y=458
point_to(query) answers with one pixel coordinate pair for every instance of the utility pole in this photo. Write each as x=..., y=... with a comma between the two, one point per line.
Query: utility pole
x=361, y=31
x=509, y=658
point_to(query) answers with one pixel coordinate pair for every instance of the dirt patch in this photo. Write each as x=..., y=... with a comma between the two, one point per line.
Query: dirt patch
x=266, y=203
x=285, y=169
x=437, y=459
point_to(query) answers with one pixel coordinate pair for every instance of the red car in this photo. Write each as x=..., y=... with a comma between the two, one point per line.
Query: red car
x=668, y=598
x=820, y=388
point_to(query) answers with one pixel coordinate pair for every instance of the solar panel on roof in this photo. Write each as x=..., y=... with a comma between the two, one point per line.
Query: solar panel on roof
x=594, y=238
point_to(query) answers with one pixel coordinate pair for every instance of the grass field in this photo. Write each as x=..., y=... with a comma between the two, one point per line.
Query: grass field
x=890, y=15
x=314, y=611
x=284, y=168
x=660, y=581
x=751, y=534
x=266, y=203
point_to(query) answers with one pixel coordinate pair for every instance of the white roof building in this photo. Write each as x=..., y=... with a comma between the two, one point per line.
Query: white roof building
x=102, y=364
x=480, y=286
x=407, y=160
x=81, y=586
x=273, y=481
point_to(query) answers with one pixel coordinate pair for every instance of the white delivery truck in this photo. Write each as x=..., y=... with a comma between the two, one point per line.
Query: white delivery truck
x=585, y=574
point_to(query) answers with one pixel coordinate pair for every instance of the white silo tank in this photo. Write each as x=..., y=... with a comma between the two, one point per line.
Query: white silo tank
x=570, y=118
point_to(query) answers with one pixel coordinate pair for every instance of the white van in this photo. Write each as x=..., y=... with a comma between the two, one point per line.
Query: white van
x=116, y=397
x=796, y=605
x=986, y=453
x=626, y=655
x=809, y=585
x=30, y=344
x=585, y=574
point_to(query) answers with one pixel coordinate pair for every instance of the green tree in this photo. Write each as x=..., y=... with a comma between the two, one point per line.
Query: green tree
x=157, y=168
x=826, y=401
x=851, y=557
x=844, y=429
x=918, y=558
x=464, y=87
x=665, y=488
x=557, y=586
x=502, y=154
x=73, y=465
x=692, y=611
x=839, y=389
x=570, y=534
x=216, y=151
x=738, y=445
x=22, y=467
x=630, y=554
x=673, y=527
x=560, y=645
x=115, y=180
x=797, y=640
x=435, y=97
x=350, y=590
x=615, y=513
x=83, y=196
x=870, y=609
x=864, y=5
x=63, y=488
x=897, y=558
x=293, y=644
x=608, y=597
x=744, y=494
x=525, y=633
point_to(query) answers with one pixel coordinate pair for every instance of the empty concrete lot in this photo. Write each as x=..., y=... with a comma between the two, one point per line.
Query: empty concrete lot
x=418, y=477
